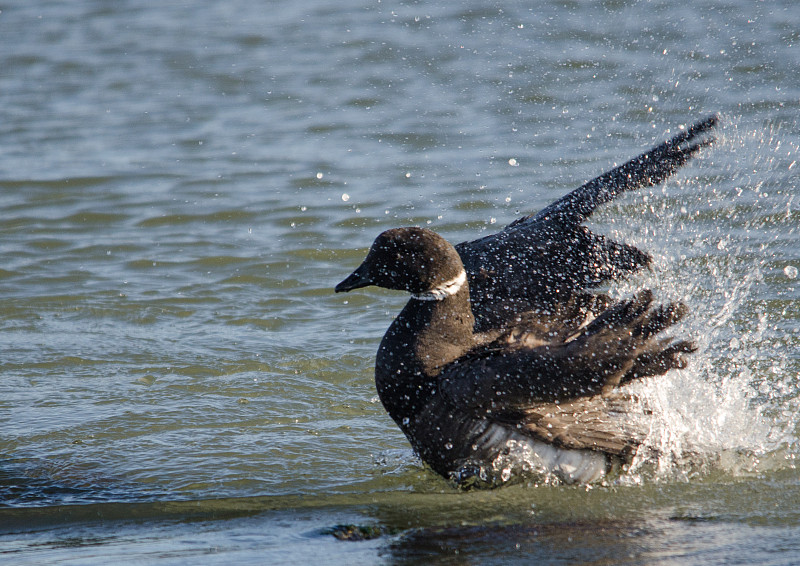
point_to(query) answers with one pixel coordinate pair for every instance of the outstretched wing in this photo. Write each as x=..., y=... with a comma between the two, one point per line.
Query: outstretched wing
x=555, y=390
x=650, y=168
x=546, y=258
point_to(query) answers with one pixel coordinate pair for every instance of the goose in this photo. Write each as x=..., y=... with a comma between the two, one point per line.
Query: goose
x=505, y=361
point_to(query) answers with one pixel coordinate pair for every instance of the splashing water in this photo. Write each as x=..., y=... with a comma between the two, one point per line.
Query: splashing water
x=732, y=408
x=719, y=241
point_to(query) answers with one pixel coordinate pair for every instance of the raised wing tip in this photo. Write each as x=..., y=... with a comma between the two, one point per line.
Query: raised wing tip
x=649, y=168
x=697, y=129
x=707, y=123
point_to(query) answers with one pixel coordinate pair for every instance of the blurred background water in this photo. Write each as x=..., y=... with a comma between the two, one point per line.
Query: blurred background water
x=183, y=183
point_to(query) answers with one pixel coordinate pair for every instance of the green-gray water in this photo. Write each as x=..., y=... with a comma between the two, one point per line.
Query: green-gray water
x=182, y=185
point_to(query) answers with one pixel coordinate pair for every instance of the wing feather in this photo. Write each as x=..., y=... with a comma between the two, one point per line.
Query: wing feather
x=546, y=258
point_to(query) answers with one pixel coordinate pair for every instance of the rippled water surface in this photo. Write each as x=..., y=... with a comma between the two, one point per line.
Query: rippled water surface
x=182, y=185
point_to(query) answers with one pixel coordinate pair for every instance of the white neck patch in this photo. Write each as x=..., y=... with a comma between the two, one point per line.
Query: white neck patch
x=446, y=289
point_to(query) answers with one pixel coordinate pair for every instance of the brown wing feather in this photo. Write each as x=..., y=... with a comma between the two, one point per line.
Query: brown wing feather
x=611, y=424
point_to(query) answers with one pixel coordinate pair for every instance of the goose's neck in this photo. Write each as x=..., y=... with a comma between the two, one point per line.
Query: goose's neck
x=425, y=336
x=445, y=290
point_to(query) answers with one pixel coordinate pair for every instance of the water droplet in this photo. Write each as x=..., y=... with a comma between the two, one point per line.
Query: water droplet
x=449, y=445
x=790, y=271
x=345, y=197
x=513, y=162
